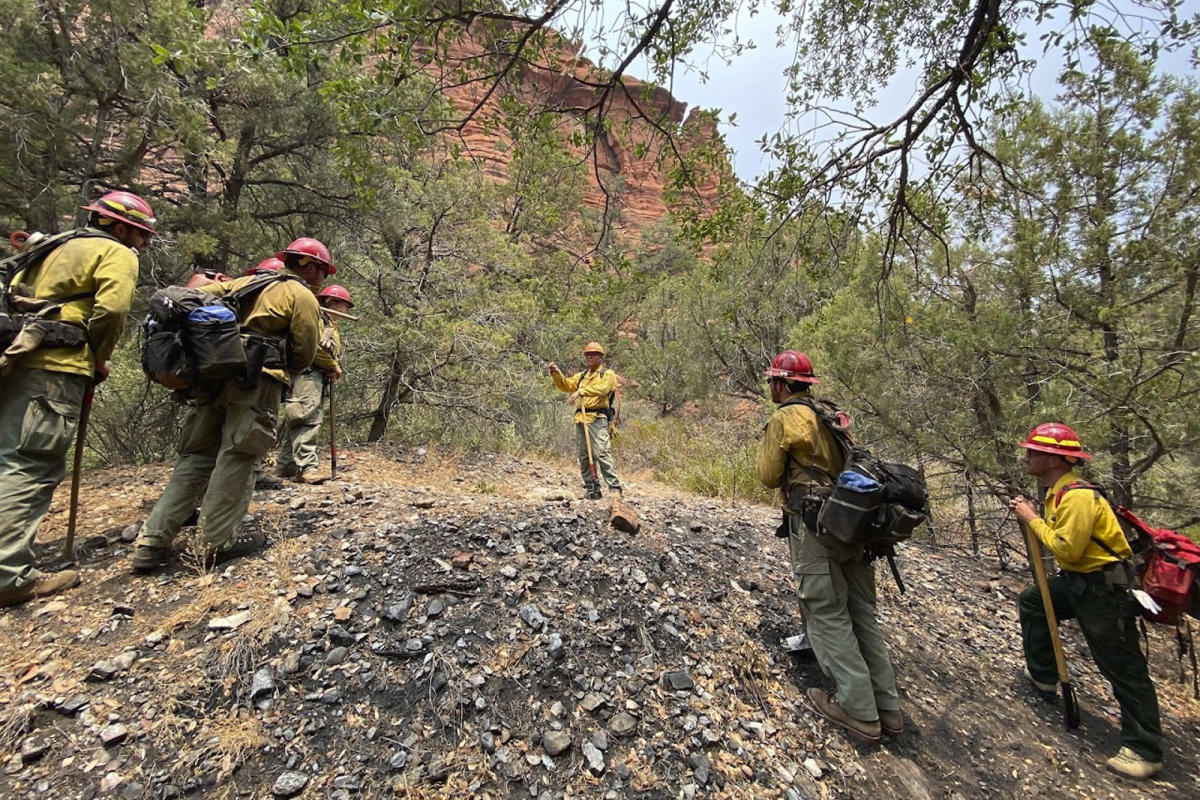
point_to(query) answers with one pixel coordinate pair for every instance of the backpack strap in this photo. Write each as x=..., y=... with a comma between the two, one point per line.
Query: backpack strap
x=824, y=418
x=26, y=264
x=250, y=290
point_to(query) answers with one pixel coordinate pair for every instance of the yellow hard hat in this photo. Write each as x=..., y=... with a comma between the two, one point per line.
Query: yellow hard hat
x=593, y=347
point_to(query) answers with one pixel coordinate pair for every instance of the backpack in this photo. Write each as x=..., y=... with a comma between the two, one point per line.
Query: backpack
x=193, y=337
x=29, y=323
x=1168, y=563
x=873, y=503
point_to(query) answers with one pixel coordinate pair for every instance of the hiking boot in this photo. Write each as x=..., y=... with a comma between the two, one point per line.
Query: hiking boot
x=594, y=493
x=869, y=731
x=43, y=586
x=1130, y=764
x=147, y=557
x=892, y=722
x=1043, y=688
x=243, y=544
x=268, y=483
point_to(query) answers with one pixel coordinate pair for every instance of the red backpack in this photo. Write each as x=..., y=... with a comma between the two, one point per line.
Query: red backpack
x=1170, y=562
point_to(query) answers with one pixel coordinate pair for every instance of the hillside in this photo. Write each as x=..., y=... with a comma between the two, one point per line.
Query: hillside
x=464, y=627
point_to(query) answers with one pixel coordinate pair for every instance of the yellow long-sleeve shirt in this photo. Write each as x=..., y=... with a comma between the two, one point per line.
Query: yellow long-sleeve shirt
x=1069, y=526
x=816, y=458
x=106, y=271
x=283, y=306
x=594, y=387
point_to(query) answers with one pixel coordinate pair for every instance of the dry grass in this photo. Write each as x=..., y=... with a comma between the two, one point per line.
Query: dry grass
x=15, y=724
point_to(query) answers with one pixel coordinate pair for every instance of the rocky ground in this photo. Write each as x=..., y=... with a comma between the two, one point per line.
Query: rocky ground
x=442, y=627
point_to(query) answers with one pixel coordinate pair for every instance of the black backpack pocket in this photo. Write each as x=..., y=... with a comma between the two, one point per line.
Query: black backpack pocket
x=164, y=360
x=896, y=524
x=216, y=349
x=850, y=512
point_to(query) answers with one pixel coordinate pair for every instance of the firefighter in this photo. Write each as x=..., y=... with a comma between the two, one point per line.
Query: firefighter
x=1081, y=530
x=303, y=412
x=836, y=585
x=231, y=426
x=94, y=277
x=590, y=393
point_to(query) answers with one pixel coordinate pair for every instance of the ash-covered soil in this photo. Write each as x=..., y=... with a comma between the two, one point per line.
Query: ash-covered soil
x=445, y=627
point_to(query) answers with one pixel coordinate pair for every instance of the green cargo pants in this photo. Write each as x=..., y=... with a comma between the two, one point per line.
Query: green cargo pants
x=303, y=414
x=1107, y=618
x=606, y=468
x=218, y=447
x=39, y=410
x=837, y=595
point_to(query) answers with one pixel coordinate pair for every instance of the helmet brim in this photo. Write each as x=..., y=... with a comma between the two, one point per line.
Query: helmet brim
x=130, y=222
x=790, y=376
x=282, y=255
x=1056, y=451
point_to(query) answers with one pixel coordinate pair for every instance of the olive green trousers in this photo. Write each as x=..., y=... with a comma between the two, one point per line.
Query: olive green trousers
x=39, y=411
x=837, y=595
x=303, y=414
x=218, y=447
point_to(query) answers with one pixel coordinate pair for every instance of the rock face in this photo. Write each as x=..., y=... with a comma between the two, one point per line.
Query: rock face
x=631, y=158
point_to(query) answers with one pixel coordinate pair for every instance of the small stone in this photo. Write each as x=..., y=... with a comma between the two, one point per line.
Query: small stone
x=74, y=704
x=343, y=613
x=130, y=532
x=424, y=502
x=337, y=655
x=262, y=685
x=555, y=742
x=487, y=740
x=599, y=739
x=594, y=758
x=33, y=749
x=297, y=503
x=622, y=724
x=114, y=734
x=230, y=623
x=122, y=611
x=814, y=768
x=111, y=781
x=554, y=647
x=532, y=616
x=349, y=783
x=414, y=645
x=678, y=680
x=700, y=767
x=461, y=560
x=289, y=784
x=436, y=608
x=398, y=612
x=509, y=572
x=102, y=671
x=398, y=760
x=290, y=664
x=591, y=701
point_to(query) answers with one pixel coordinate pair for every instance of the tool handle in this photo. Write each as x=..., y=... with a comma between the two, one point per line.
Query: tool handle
x=85, y=412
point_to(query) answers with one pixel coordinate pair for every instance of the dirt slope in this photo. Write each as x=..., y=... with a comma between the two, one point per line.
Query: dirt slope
x=442, y=628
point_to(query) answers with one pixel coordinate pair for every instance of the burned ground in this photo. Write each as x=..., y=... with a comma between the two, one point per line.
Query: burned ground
x=443, y=627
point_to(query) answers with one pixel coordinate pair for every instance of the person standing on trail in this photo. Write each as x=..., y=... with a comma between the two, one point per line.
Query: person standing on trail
x=801, y=457
x=303, y=412
x=92, y=275
x=232, y=425
x=589, y=392
x=1094, y=584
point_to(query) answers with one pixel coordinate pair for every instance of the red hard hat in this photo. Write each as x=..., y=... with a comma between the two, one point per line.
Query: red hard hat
x=793, y=366
x=307, y=246
x=335, y=292
x=1056, y=438
x=125, y=207
x=271, y=264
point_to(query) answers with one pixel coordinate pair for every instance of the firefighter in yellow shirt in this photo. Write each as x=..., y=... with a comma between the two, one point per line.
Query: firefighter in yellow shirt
x=303, y=412
x=588, y=392
x=93, y=275
x=1094, y=584
x=231, y=426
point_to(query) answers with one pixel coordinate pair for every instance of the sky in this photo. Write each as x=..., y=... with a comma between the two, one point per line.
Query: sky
x=752, y=86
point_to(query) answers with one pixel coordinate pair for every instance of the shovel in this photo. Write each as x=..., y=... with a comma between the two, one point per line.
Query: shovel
x=587, y=437
x=1070, y=705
